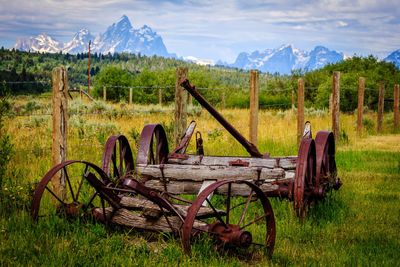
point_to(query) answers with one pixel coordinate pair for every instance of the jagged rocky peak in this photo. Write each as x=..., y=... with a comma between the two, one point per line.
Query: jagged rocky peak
x=123, y=25
x=79, y=42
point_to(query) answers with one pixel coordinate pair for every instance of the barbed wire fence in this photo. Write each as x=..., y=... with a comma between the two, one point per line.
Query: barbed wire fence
x=164, y=94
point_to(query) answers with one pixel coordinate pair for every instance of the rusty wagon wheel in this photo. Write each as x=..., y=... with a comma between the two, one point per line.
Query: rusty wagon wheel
x=117, y=158
x=305, y=178
x=246, y=224
x=153, y=145
x=78, y=198
x=326, y=164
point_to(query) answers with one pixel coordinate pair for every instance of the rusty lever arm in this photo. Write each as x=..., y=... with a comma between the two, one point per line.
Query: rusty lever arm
x=250, y=147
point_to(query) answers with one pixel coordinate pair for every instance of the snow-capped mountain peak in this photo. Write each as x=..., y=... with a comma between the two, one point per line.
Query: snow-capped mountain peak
x=79, y=42
x=394, y=57
x=40, y=43
x=286, y=58
x=119, y=37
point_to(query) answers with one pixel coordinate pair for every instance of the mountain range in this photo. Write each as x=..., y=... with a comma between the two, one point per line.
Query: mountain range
x=122, y=37
x=285, y=59
x=119, y=37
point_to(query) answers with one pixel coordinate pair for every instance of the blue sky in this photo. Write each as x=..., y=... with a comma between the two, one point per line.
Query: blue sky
x=218, y=29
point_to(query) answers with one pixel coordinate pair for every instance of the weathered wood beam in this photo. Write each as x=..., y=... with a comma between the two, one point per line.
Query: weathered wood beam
x=201, y=172
x=287, y=163
x=136, y=203
x=138, y=221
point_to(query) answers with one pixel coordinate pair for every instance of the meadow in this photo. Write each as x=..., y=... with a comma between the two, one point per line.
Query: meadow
x=357, y=225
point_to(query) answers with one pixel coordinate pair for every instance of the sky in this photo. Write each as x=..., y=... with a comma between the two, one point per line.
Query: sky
x=218, y=30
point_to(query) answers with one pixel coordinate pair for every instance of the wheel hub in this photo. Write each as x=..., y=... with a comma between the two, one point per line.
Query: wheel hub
x=231, y=234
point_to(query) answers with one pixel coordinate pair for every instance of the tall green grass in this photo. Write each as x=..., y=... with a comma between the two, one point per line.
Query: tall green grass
x=357, y=225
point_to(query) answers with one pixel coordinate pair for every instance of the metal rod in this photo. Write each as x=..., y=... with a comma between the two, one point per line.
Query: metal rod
x=250, y=147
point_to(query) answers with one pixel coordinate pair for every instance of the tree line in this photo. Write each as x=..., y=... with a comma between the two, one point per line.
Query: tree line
x=118, y=71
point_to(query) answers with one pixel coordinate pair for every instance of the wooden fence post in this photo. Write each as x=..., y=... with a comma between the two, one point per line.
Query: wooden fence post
x=104, y=93
x=336, y=104
x=380, y=106
x=60, y=123
x=180, y=105
x=360, y=108
x=130, y=95
x=396, y=106
x=300, y=109
x=254, y=90
x=159, y=96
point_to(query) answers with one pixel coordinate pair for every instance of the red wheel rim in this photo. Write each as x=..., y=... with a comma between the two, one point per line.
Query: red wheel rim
x=117, y=157
x=153, y=145
x=305, y=178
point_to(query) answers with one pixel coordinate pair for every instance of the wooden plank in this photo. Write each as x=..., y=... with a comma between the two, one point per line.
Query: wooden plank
x=136, y=203
x=201, y=172
x=360, y=108
x=287, y=163
x=253, y=121
x=136, y=220
x=193, y=187
x=336, y=104
x=380, y=106
x=60, y=124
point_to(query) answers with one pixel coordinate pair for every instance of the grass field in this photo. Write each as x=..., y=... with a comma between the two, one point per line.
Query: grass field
x=357, y=225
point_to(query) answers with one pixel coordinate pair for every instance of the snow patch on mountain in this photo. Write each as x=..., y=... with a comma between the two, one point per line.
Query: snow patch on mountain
x=203, y=62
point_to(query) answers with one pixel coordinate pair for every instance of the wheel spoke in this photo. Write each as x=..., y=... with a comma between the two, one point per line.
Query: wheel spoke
x=254, y=221
x=69, y=184
x=228, y=202
x=243, y=203
x=216, y=213
x=55, y=196
x=91, y=199
x=245, y=207
x=81, y=182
